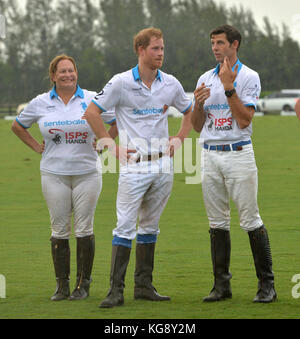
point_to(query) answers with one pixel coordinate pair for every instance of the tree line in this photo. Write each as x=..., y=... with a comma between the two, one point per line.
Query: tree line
x=99, y=35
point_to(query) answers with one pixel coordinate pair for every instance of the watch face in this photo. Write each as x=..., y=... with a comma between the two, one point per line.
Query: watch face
x=230, y=93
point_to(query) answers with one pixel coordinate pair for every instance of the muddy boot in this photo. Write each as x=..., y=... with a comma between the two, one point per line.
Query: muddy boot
x=261, y=251
x=220, y=254
x=143, y=288
x=119, y=263
x=85, y=259
x=61, y=259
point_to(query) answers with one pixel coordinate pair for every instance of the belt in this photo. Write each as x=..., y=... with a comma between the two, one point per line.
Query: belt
x=149, y=157
x=229, y=147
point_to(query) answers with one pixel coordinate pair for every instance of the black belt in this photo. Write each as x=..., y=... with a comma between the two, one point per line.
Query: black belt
x=149, y=157
x=229, y=147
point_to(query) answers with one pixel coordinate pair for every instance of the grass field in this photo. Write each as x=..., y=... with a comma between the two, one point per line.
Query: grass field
x=183, y=267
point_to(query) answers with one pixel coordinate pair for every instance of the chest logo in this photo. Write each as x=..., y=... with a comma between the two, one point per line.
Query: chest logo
x=69, y=137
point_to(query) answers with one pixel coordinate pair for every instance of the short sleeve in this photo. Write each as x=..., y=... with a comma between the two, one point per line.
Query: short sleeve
x=29, y=114
x=108, y=117
x=251, y=90
x=110, y=96
x=181, y=100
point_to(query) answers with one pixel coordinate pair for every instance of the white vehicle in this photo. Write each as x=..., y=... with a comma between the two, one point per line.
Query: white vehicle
x=282, y=101
x=173, y=112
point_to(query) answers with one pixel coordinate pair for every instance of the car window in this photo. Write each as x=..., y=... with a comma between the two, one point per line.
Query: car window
x=272, y=95
x=290, y=95
x=283, y=95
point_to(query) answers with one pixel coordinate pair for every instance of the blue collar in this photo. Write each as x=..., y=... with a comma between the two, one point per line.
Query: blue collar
x=79, y=93
x=217, y=69
x=136, y=74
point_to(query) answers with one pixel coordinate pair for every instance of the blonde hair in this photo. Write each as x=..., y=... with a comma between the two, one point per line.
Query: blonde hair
x=54, y=63
x=143, y=38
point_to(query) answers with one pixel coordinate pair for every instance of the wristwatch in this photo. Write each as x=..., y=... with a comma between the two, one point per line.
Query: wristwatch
x=230, y=93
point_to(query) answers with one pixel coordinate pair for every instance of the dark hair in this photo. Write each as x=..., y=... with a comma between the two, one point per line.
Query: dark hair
x=232, y=33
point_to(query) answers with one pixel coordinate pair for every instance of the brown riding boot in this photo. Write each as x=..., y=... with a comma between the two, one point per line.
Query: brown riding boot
x=85, y=259
x=61, y=259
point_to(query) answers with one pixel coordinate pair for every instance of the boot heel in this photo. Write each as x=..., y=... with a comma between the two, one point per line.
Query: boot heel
x=62, y=290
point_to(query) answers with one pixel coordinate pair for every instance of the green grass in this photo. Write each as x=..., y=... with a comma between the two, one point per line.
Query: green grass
x=182, y=268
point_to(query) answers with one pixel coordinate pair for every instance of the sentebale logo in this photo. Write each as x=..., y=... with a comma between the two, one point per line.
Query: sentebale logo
x=148, y=111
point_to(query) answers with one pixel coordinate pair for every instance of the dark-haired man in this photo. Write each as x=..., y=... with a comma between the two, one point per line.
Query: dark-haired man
x=225, y=103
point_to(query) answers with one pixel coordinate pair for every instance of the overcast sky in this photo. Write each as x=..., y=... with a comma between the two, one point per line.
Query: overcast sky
x=278, y=11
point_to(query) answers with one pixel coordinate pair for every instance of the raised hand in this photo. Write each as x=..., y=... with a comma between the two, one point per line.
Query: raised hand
x=226, y=75
x=201, y=94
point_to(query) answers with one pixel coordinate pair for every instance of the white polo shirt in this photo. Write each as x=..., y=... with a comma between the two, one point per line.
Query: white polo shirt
x=68, y=137
x=220, y=127
x=142, y=113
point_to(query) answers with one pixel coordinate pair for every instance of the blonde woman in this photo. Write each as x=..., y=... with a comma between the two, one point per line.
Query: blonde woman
x=70, y=170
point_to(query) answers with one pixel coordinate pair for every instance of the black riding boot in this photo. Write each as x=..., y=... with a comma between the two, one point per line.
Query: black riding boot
x=119, y=262
x=143, y=274
x=262, y=256
x=220, y=254
x=61, y=259
x=85, y=259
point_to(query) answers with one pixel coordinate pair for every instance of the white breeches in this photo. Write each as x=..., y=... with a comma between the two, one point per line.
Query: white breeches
x=230, y=175
x=64, y=194
x=141, y=196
